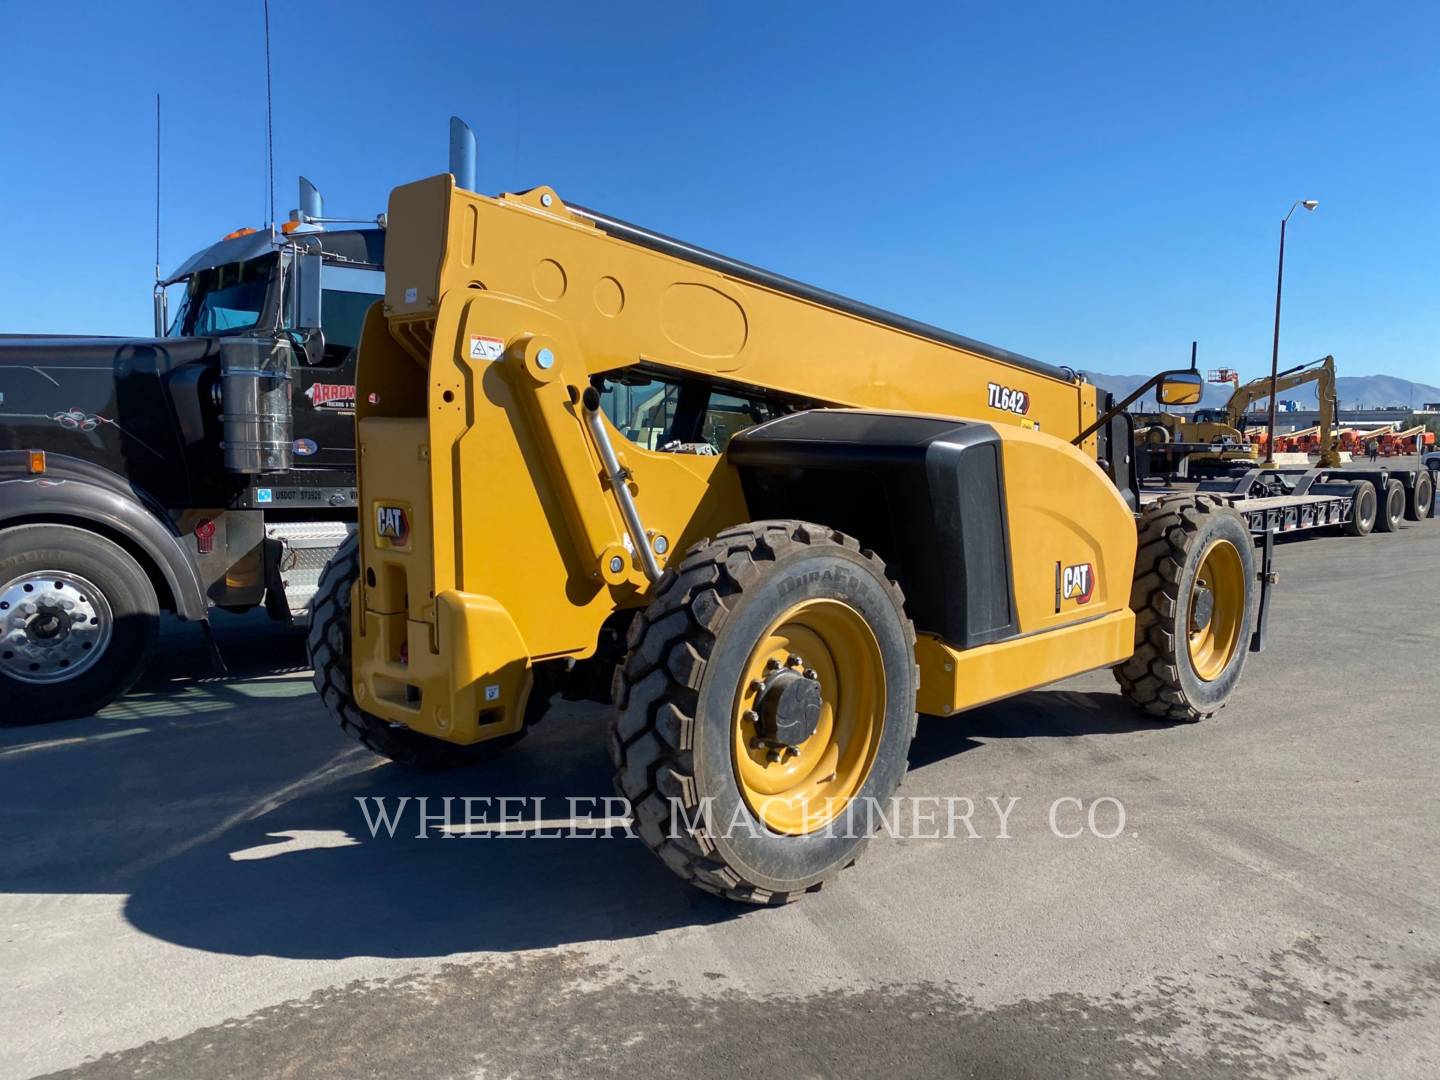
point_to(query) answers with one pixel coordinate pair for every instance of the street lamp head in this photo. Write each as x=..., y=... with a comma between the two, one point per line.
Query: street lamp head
x=1310, y=204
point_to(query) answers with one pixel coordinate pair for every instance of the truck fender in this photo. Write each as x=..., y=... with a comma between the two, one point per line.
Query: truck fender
x=86, y=494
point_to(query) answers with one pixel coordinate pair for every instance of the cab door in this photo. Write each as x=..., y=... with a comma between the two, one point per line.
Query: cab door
x=324, y=402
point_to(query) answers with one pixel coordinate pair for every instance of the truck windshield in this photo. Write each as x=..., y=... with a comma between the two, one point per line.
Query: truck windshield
x=223, y=298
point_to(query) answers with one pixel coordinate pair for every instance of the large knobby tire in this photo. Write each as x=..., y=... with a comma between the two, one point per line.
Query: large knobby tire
x=1391, y=506
x=719, y=645
x=1420, y=496
x=328, y=644
x=1194, y=600
x=1363, y=510
x=78, y=619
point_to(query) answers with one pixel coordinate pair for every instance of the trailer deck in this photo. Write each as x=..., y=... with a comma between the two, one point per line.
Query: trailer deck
x=1279, y=501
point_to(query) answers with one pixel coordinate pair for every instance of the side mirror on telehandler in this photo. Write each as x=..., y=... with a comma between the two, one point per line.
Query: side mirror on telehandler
x=1180, y=388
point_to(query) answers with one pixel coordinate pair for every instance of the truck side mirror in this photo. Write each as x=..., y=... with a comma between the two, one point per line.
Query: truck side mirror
x=1180, y=388
x=308, y=269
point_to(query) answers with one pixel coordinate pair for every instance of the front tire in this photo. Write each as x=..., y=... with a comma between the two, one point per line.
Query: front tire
x=1194, y=603
x=78, y=620
x=765, y=708
x=328, y=643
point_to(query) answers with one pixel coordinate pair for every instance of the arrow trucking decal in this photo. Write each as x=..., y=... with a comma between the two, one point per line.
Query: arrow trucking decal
x=324, y=395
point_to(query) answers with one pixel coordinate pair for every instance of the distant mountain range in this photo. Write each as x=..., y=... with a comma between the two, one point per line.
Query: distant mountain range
x=1354, y=391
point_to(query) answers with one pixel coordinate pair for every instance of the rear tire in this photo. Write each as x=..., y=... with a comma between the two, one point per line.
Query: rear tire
x=1420, y=496
x=1189, y=647
x=328, y=644
x=1362, y=510
x=90, y=629
x=1391, y=507
x=686, y=743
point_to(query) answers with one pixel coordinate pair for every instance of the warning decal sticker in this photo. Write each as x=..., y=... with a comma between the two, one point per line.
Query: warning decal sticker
x=486, y=348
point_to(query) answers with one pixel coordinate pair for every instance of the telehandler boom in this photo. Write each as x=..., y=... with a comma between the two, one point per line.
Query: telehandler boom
x=768, y=522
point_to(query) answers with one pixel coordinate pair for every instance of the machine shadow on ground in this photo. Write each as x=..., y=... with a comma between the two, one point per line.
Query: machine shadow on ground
x=240, y=830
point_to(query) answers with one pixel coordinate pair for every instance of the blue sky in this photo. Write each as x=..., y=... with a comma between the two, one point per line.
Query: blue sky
x=1090, y=184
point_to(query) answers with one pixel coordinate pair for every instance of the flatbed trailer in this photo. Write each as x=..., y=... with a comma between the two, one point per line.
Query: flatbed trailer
x=1280, y=501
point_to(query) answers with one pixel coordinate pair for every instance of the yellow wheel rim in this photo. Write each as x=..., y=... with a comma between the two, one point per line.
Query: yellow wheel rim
x=1216, y=610
x=799, y=787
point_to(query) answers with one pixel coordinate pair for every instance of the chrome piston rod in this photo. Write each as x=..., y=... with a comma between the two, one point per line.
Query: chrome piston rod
x=619, y=483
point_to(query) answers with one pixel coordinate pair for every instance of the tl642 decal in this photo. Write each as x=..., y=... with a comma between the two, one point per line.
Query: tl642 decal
x=1008, y=399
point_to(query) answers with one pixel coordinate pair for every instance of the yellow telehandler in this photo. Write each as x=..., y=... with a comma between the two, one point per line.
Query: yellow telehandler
x=768, y=523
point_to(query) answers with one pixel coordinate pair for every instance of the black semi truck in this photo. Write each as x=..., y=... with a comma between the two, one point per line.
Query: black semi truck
x=210, y=466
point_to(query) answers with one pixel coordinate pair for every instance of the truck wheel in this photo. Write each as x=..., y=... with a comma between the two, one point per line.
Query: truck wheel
x=1420, y=496
x=1392, y=507
x=1362, y=510
x=1194, y=601
x=328, y=643
x=765, y=709
x=78, y=619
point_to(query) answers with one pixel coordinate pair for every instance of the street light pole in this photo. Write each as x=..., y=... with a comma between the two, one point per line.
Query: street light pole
x=1309, y=204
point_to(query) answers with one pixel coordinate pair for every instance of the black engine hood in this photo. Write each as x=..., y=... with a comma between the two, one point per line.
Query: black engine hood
x=161, y=354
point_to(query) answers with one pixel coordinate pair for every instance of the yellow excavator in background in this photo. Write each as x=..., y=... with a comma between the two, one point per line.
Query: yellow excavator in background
x=1216, y=436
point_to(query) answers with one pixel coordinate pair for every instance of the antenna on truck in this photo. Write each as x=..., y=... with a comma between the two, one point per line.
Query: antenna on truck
x=159, y=291
x=157, y=189
x=269, y=123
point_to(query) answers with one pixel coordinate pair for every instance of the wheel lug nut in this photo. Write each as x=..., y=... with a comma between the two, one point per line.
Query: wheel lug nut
x=756, y=686
x=772, y=664
x=812, y=674
x=794, y=661
x=750, y=716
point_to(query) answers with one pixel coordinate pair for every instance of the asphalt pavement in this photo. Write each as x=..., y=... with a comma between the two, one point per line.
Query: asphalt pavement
x=188, y=886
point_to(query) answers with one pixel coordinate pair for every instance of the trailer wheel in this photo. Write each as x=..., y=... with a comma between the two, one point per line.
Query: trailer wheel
x=765, y=709
x=1194, y=604
x=328, y=644
x=1392, y=506
x=1420, y=496
x=1363, y=506
x=78, y=619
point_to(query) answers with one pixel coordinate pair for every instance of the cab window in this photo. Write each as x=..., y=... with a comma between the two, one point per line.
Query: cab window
x=224, y=298
x=725, y=414
x=644, y=412
x=684, y=416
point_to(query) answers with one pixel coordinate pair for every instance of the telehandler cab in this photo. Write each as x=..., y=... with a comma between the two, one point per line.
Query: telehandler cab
x=770, y=524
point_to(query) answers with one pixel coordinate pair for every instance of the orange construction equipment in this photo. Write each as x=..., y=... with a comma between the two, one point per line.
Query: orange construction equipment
x=1398, y=443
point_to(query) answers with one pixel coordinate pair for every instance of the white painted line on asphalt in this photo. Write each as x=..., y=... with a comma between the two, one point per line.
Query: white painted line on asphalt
x=52, y=744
